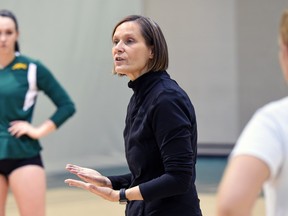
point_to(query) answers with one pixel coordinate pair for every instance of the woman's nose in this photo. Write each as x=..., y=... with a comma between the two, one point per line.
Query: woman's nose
x=119, y=47
x=2, y=37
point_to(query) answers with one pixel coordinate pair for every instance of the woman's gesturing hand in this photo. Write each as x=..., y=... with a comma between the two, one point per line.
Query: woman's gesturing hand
x=93, y=181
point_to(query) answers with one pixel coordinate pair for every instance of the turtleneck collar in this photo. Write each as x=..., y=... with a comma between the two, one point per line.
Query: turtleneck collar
x=145, y=80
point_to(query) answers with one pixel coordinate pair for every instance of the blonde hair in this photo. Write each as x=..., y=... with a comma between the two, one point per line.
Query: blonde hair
x=283, y=30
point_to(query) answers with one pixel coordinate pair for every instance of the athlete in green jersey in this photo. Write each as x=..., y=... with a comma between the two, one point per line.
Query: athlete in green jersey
x=21, y=78
x=20, y=82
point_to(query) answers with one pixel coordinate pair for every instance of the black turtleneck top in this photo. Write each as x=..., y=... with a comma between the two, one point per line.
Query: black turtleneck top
x=161, y=147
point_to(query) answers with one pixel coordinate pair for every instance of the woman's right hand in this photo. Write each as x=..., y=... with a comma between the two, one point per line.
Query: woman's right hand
x=89, y=175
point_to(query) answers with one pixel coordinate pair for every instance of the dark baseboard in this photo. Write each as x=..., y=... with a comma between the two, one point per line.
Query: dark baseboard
x=214, y=149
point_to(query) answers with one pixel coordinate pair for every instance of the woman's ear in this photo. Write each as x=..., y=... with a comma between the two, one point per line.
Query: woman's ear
x=17, y=34
x=151, y=56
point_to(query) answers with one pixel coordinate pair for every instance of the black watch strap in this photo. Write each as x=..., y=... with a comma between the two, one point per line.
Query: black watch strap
x=122, y=195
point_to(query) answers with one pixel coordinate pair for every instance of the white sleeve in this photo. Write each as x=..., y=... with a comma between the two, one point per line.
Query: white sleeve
x=260, y=138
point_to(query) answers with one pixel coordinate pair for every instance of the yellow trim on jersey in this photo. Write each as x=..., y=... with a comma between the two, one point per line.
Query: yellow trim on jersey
x=19, y=66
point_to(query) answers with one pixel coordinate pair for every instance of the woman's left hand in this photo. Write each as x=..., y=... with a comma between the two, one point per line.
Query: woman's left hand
x=104, y=192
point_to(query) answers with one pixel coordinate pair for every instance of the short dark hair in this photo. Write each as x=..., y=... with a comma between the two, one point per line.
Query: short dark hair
x=154, y=38
x=9, y=14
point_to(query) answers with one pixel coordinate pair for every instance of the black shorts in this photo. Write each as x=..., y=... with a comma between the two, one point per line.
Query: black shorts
x=9, y=165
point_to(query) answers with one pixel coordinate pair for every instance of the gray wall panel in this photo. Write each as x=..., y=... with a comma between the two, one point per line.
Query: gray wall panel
x=202, y=45
x=223, y=53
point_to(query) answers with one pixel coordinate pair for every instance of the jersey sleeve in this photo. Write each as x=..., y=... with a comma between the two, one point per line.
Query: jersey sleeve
x=47, y=83
x=260, y=138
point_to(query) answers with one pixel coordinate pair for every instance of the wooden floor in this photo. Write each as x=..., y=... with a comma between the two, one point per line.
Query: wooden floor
x=75, y=202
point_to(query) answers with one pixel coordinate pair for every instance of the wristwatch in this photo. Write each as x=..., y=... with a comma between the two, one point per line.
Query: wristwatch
x=123, y=199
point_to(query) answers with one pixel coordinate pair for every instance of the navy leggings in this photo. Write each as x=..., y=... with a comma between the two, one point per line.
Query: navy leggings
x=9, y=165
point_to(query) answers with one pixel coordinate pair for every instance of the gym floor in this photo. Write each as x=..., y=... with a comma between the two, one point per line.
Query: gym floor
x=63, y=200
x=74, y=202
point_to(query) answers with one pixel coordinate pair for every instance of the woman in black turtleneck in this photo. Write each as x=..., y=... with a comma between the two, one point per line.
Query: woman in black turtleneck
x=160, y=132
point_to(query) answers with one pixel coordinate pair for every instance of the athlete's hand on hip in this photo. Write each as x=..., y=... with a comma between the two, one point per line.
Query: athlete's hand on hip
x=20, y=128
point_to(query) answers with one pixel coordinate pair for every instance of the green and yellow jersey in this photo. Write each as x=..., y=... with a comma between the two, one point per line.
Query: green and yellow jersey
x=20, y=83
